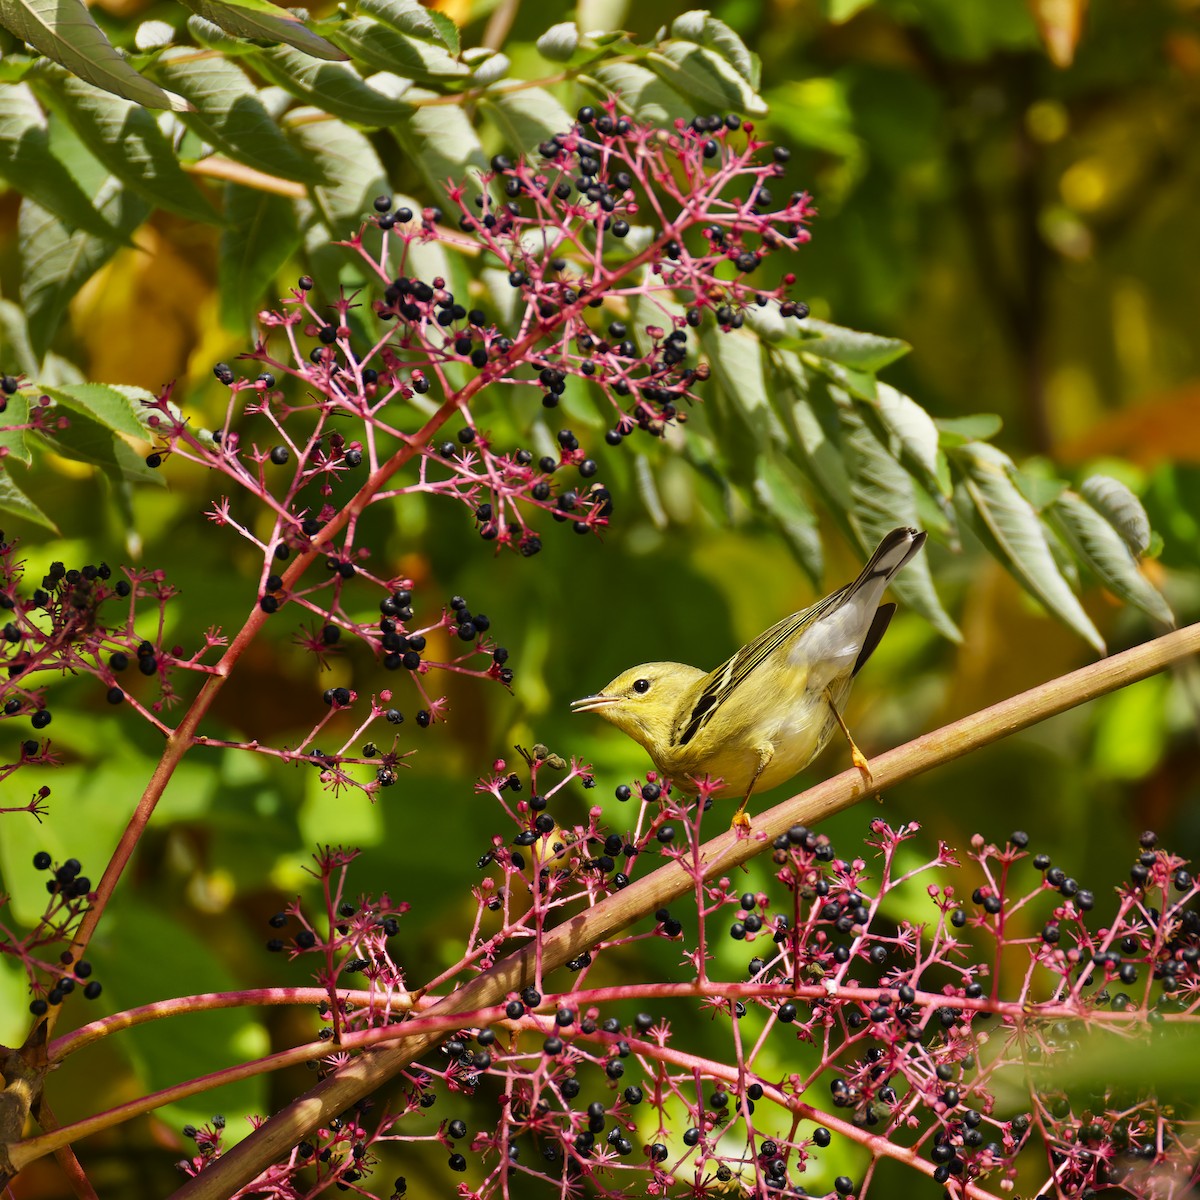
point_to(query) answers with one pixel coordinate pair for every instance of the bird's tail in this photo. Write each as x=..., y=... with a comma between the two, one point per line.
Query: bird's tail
x=890, y=555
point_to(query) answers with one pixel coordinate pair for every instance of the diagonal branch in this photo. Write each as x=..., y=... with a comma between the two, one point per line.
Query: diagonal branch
x=372, y=1069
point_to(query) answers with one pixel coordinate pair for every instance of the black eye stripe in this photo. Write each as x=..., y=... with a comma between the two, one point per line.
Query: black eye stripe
x=641, y=685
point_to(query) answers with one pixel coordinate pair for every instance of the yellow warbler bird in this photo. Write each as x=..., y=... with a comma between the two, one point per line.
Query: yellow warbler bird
x=763, y=715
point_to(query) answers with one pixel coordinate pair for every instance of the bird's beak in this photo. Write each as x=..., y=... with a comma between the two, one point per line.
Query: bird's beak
x=591, y=703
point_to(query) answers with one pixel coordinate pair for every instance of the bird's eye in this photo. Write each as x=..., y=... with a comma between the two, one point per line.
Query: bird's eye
x=641, y=685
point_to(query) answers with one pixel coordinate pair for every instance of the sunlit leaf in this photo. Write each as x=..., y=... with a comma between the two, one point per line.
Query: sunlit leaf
x=1120, y=508
x=778, y=487
x=958, y=431
x=66, y=32
x=336, y=88
x=32, y=168
x=127, y=140
x=261, y=21
x=56, y=263
x=1108, y=556
x=989, y=501
x=525, y=117
x=351, y=175
x=15, y=503
x=229, y=114
x=559, y=42
x=384, y=48
x=705, y=78
x=701, y=27
x=442, y=142
x=262, y=235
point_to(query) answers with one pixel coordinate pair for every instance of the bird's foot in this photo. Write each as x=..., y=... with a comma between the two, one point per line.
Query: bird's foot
x=741, y=820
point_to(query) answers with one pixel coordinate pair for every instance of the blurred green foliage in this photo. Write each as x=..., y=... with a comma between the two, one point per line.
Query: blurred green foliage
x=1029, y=229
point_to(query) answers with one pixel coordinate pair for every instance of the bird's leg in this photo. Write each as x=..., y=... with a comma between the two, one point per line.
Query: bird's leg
x=740, y=820
x=856, y=755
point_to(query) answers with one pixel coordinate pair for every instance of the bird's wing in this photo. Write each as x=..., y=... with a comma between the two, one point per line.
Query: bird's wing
x=719, y=685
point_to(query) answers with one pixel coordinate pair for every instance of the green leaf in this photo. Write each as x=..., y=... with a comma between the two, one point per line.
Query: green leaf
x=336, y=88
x=778, y=487
x=15, y=503
x=917, y=437
x=16, y=350
x=127, y=140
x=957, y=431
x=66, y=32
x=386, y=49
x=262, y=235
x=14, y=442
x=32, y=168
x=559, y=42
x=117, y=408
x=56, y=263
x=1008, y=525
x=743, y=418
x=859, y=351
x=882, y=498
x=351, y=175
x=1121, y=509
x=443, y=143
x=265, y=22
x=163, y=1055
x=698, y=26
x=803, y=401
x=414, y=19
x=525, y=117
x=704, y=78
x=229, y=113
x=639, y=91
x=1104, y=550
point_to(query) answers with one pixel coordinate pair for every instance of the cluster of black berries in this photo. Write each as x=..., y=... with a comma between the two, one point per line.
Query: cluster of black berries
x=74, y=889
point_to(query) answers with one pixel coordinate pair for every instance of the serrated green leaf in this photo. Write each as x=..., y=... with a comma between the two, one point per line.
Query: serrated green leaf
x=1121, y=509
x=957, y=431
x=559, y=42
x=30, y=166
x=351, y=173
x=699, y=26
x=336, y=88
x=229, y=114
x=882, y=498
x=56, y=263
x=1105, y=552
x=127, y=140
x=386, y=49
x=14, y=442
x=66, y=32
x=525, y=117
x=115, y=408
x=15, y=503
x=1006, y=522
x=639, y=91
x=705, y=78
x=443, y=143
x=258, y=20
x=262, y=235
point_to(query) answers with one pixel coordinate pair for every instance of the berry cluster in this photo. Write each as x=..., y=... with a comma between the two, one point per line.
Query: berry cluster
x=916, y=1030
x=70, y=893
